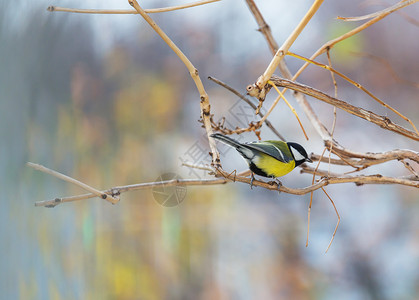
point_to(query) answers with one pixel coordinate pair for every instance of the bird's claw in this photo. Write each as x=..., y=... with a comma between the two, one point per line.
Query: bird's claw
x=276, y=182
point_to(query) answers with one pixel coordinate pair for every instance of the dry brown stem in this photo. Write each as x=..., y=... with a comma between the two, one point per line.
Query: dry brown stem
x=330, y=44
x=249, y=102
x=390, y=9
x=133, y=187
x=381, y=121
x=127, y=11
x=259, y=91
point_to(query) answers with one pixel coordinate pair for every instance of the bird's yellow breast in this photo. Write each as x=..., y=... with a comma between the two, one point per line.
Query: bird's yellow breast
x=274, y=167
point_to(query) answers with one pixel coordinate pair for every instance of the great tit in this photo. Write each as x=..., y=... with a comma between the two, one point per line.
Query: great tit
x=268, y=158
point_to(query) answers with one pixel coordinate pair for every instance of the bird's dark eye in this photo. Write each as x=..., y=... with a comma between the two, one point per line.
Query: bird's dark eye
x=249, y=87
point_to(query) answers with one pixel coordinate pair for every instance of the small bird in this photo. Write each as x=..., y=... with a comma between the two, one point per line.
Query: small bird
x=268, y=158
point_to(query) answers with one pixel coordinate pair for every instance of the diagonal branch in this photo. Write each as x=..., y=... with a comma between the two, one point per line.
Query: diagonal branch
x=205, y=105
x=354, y=31
x=259, y=90
x=381, y=121
x=390, y=9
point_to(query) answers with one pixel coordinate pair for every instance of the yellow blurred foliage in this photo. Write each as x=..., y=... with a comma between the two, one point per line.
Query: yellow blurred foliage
x=342, y=51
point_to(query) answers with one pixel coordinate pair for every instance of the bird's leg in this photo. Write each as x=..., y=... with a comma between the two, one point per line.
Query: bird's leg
x=277, y=182
x=252, y=176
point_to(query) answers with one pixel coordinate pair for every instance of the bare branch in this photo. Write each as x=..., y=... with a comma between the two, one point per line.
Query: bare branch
x=356, y=84
x=384, y=156
x=198, y=166
x=412, y=181
x=129, y=11
x=354, y=31
x=133, y=187
x=84, y=186
x=259, y=87
x=390, y=9
x=248, y=101
x=369, y=159
x=381, y=121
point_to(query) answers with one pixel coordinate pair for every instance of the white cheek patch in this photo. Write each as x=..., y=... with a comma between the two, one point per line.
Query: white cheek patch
x=297, y=155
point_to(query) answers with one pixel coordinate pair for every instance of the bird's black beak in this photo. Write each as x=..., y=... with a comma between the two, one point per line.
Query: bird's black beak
x=309, y=160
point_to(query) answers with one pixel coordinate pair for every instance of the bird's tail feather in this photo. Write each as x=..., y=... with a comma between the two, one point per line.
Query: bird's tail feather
x=227, y=140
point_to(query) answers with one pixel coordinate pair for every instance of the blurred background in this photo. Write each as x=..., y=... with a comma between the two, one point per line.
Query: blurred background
x=103, y=99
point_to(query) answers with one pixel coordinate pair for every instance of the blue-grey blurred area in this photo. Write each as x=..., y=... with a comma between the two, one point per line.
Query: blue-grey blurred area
x=101, y=98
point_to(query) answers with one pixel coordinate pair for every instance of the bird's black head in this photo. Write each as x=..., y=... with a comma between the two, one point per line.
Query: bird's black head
x=299, y=153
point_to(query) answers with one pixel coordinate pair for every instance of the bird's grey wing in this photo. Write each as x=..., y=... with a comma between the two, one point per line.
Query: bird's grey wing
x=271, y=150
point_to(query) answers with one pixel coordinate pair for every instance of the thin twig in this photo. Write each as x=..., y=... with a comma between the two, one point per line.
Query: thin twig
x=364, y=163
x=84, y=186
x=129, y=11
x=198, y=166
x=281, y=95
x=369, y=158
x=356, y=84
x=334, y=108
x=331, y=43
x=412, y=181
x=245, y=99
x=409, y=167
x=390, y=9
x=337, y=224
x=133, y=187
x=311, y=196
